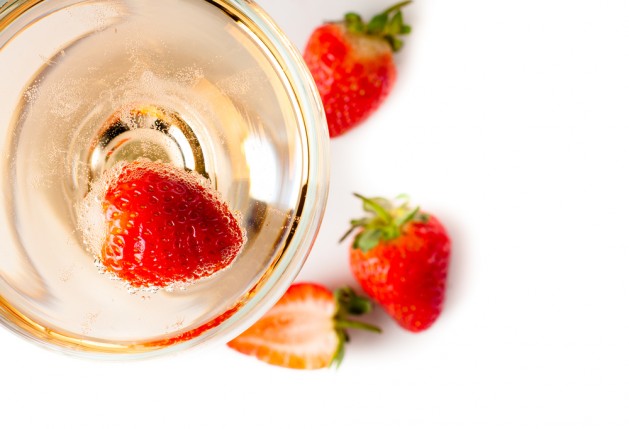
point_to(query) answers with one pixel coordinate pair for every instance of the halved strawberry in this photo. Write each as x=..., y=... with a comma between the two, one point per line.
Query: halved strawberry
x=306, y=328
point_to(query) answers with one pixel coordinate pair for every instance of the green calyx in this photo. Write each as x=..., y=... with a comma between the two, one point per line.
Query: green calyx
x=348, y=303
x=384, y=221
x=387, y=25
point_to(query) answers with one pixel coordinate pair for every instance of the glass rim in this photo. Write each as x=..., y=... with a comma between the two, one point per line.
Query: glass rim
x=306, y=218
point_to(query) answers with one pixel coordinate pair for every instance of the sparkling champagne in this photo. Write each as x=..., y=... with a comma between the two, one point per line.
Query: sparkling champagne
x=194, y=83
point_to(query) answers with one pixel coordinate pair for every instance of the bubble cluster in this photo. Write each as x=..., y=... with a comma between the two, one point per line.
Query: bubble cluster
x=91, y=219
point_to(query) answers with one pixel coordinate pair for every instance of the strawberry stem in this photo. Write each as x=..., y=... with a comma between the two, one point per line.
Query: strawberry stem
x=387, y=25
x=355, y=324
x=397, y=7
x=385, y=221
x=349, y=303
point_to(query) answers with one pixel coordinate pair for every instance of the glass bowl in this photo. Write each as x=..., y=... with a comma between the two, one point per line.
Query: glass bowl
x=210, y=86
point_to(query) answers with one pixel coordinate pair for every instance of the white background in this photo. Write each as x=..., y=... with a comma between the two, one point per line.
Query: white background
x=510, y=122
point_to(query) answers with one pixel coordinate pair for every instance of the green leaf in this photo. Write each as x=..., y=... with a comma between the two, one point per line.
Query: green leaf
x=377, y=24
x=407, y=218
x=348, y=302
x=396, y=24
x=372, y=205
x=422, y=217
x=387, y=25
x=354, y=22
x=390, y=231
x=385, y=221
x=368, y=239
x=395, y=43
x=348, y=233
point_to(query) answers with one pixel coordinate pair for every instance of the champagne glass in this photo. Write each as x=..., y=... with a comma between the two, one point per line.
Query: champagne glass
x=209, y=86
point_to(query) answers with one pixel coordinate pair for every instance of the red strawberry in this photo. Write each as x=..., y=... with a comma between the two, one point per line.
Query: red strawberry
x=306, y=328
x=164, y=225
x=352, y=65
x=400, y=258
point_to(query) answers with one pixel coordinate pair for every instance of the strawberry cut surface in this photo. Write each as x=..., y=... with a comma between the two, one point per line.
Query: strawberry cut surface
x=298, y=332
x=164, y=225
x=306, y=329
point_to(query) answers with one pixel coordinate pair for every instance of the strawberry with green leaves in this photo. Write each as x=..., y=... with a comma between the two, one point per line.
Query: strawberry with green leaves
x=306, y=329
x=400, y=257
x=352, y=64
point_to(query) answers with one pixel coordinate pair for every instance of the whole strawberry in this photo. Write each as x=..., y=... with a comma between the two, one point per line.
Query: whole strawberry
x=163, y=225
x=400, y=257
x=352, y=65
x=306, y=329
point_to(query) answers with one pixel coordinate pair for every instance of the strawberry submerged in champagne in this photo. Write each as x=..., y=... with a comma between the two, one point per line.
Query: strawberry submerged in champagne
x=159, y=225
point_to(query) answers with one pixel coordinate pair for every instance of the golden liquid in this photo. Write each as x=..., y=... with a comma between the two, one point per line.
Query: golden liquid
x=192, y=83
